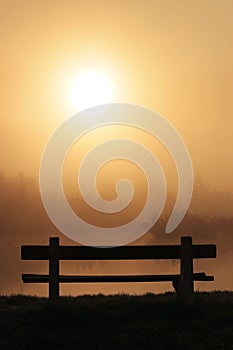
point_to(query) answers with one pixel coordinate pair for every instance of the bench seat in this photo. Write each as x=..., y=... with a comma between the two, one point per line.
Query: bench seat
x=36, y=278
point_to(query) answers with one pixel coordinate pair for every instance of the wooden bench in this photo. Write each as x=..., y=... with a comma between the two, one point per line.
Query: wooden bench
x=183, y=283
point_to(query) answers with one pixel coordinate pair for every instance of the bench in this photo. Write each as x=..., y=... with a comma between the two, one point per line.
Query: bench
x=183, y=283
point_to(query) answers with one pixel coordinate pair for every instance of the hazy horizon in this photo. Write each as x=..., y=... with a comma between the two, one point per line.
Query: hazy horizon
x=174, y=57
x=24, y=221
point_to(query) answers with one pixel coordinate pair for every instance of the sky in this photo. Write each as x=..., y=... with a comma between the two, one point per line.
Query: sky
x=172, y=56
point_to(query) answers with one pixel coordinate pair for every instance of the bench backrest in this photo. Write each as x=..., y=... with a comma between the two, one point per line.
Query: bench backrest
x=30, y=252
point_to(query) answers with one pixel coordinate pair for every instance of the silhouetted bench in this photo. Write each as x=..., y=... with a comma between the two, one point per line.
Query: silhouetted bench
x=183, y=283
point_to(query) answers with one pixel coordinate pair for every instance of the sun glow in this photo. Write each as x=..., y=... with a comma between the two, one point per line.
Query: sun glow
x=90, y=88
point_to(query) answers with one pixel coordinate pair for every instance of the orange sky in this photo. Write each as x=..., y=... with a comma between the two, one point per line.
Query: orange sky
x=173, y=56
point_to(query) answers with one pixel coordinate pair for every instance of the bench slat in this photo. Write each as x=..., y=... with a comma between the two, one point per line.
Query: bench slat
x=33, y=278
x=118, y=253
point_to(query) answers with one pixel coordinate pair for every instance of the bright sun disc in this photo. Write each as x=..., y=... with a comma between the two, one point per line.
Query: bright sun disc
x=90, y=88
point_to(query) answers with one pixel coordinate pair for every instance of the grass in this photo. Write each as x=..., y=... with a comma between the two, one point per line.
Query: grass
x=118, y=322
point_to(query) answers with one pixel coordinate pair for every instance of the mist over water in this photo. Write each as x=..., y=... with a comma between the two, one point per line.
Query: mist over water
x=23, y=220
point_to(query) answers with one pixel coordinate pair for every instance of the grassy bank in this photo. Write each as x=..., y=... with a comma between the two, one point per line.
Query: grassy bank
x=117, y=322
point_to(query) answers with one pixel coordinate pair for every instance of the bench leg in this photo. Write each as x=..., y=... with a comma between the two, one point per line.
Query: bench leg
x=54, y=270
x=176, y=285
x=186, y=284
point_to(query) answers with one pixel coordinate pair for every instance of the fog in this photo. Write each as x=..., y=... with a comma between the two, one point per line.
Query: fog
x=172, y=56
x=23, y=220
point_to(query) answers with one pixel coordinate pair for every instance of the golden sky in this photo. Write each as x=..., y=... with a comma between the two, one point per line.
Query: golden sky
x=173, y=56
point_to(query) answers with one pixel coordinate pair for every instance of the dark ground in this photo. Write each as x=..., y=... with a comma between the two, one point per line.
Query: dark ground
x=118, y=322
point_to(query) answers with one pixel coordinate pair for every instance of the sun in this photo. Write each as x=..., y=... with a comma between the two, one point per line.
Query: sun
x=90, y=88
